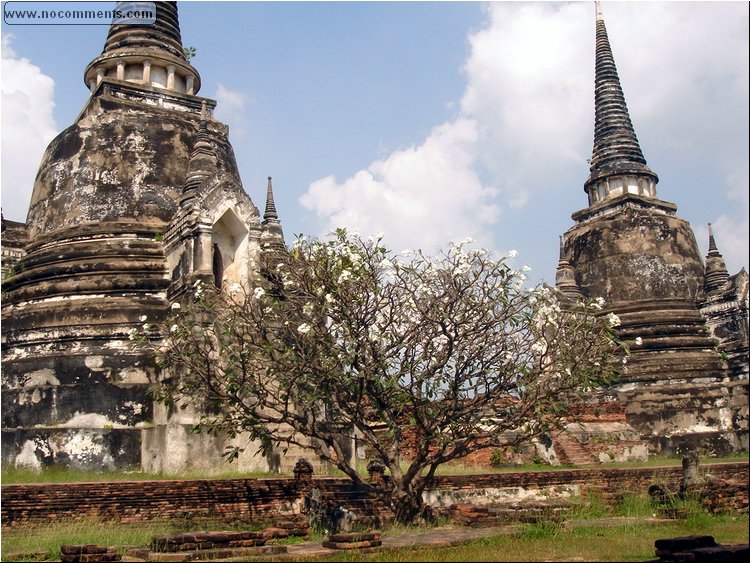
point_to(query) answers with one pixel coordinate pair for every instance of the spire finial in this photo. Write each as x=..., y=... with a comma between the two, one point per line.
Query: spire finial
x=716, y=274
x=599, y=16
x=272, y=235
x=270, y=213
x=711, y=241
x=616, y=149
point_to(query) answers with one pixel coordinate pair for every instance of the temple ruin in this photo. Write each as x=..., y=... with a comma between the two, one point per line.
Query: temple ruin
x=140, y=199
x=684, y=385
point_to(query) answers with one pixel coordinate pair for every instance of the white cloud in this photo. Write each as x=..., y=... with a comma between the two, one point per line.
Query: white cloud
x=28, y=125
x=529, y=84
x=230, y=108
x=520, y=116
x=529, y=102
x=420, y=197
x=692, y=115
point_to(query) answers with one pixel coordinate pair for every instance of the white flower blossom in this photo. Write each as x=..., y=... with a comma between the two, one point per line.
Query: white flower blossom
x=198, y=285
x=613, y=320
x=234, y=288
x=638, y=340
x=173, y=328
x=307, y=309
x=175, y=306
x=512, y=254
x=461, y=269
x=304, y=328
x=132, y=333
x=345, y=275
x=526, y=268
x=142, y=318
x=259, y=292
x=330, y=298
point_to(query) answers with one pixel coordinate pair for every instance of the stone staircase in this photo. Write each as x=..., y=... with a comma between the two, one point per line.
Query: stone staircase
x=570, y=451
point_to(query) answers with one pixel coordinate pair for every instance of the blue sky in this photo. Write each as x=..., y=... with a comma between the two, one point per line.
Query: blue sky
x=432, y=121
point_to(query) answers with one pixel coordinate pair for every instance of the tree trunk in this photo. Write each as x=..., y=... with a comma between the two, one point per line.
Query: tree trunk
x=406, y=504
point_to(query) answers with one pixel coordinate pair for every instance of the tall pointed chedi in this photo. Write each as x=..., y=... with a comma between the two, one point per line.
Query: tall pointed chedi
x=272, y=235
x=630, y=248
x=133, y=204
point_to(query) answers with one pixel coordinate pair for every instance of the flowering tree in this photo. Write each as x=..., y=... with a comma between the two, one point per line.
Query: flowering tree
x=343, y=338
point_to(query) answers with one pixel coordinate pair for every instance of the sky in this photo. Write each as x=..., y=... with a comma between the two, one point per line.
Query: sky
x=431, y=122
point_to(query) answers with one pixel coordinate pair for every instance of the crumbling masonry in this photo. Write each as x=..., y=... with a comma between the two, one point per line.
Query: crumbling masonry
x=141, y=198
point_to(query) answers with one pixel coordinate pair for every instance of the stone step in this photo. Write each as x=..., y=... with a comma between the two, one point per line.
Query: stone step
x=570, y=451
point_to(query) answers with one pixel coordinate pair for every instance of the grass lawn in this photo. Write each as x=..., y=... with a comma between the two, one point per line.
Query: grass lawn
x=547, y=543
x=540, y=542
x=10, y=476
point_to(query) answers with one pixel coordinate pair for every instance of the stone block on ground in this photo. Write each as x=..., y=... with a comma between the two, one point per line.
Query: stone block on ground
x=88, y=553
x=233, y=553
x=201, y=541
x=699, y=549
x=354, y=540
x=355, y=537
x=297, y=525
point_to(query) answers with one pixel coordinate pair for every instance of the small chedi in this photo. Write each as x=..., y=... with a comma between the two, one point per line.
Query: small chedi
x=140, y=201
x=684, y=385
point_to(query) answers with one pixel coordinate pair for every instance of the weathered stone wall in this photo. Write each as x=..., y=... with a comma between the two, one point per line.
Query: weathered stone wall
x=593, y=432
x=644, y=261
x=259, y=499
x=14, y=239
x=74, y=386
x=633, y=249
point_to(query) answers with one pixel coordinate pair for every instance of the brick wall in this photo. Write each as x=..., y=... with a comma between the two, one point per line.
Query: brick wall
x=262, y=499
x=247, y=499
x=611, y=484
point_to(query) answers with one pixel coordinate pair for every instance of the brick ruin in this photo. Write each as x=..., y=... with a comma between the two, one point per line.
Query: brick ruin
x=141, y=198
x=271, y=500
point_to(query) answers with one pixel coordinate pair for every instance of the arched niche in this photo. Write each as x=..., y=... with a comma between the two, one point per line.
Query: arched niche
x=228, y=235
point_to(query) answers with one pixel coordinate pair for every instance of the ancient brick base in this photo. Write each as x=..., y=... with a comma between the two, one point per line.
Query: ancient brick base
x=294, y=525
x=528, y=512
x=362, y=541
x=264, y=500
x=88, y=553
